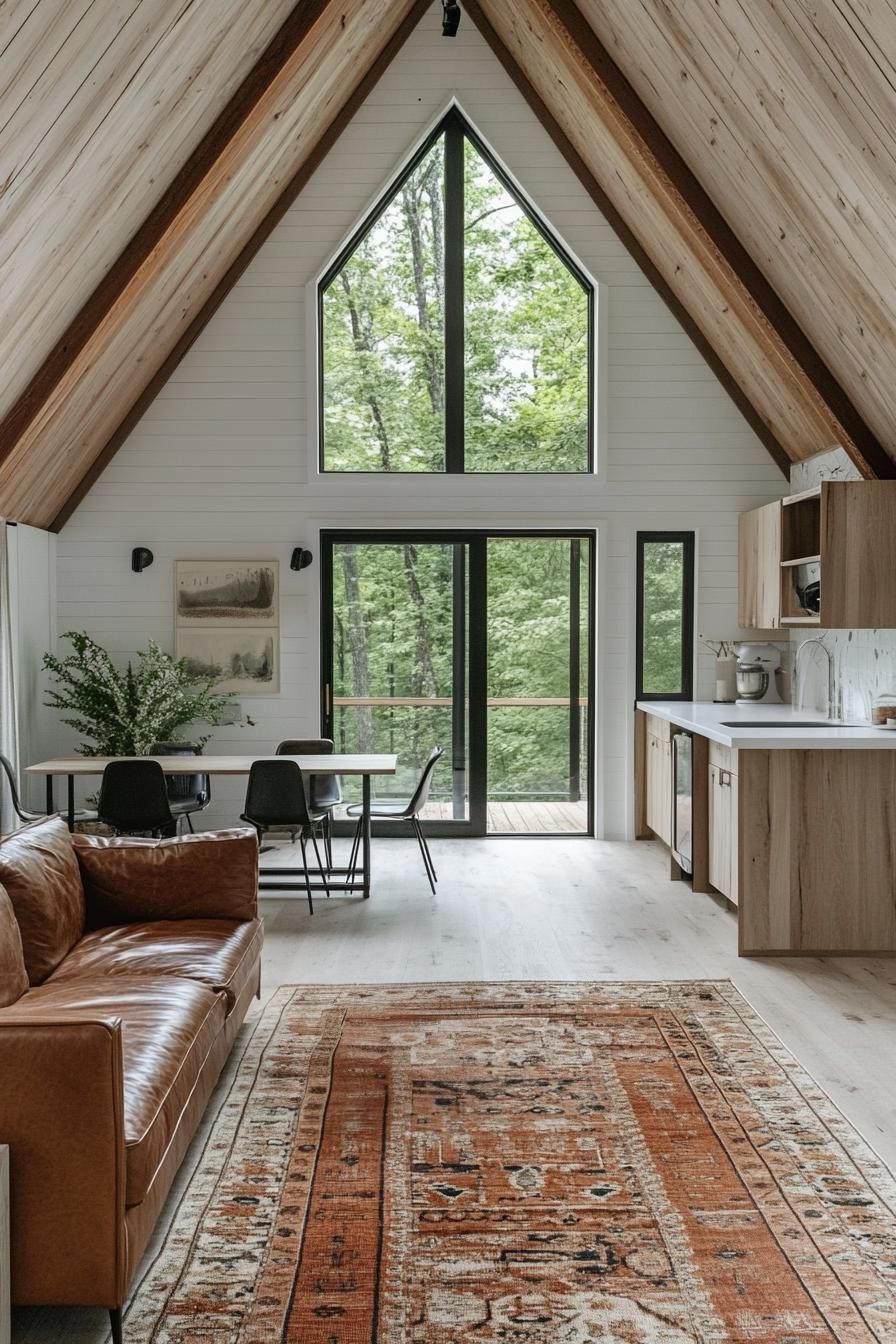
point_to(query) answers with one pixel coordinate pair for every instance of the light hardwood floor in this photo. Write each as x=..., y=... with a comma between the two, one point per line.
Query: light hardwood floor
x=577, y=909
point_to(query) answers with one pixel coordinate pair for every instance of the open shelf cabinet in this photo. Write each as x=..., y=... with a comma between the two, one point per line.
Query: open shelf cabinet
x=848, y=530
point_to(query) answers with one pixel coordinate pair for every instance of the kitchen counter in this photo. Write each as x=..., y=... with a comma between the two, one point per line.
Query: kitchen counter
x=707, y=719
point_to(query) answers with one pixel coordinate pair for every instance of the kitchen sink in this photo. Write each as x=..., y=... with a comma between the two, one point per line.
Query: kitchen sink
x=788, y=723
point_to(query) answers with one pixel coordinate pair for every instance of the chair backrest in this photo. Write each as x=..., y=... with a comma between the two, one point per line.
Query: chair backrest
x=134, y=797
x=421, y=793
x=6, y=766
x=183, y=788
x=323, y=790
x=275, y=795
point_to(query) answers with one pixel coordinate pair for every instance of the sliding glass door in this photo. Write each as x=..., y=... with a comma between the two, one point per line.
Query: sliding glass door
x=480, y=643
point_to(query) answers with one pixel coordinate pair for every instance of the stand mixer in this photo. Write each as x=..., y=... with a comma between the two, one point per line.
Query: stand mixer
x=757, y=665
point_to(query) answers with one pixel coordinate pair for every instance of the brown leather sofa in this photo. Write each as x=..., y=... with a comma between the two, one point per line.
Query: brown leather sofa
x=126, y=968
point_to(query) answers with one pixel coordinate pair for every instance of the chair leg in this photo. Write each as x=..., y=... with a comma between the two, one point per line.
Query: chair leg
x=305, y=871
x=432, y=867
x=323, y=875
x=427, y=861
x=115, y=1319
x=327, y=833
x=190, y=823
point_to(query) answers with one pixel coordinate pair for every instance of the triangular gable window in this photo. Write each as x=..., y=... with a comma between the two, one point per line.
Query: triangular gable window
x=455, y=333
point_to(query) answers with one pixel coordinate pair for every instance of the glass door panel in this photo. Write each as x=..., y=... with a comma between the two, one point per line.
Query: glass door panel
x=479, y=644
x=398, y=631
x=538, y=679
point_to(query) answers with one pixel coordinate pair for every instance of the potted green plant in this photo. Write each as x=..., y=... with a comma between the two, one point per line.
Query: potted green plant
x=123, y=713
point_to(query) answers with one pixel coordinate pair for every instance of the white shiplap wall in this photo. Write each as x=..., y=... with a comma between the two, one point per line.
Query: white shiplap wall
x=224, y=465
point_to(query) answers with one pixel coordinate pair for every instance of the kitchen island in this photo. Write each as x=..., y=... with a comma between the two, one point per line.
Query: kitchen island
x=793, y=824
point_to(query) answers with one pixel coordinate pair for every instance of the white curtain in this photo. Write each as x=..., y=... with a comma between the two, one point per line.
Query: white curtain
x=9, y=721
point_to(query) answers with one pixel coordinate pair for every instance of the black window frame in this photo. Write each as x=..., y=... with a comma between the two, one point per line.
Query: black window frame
x=688, y=542
x=455, y=128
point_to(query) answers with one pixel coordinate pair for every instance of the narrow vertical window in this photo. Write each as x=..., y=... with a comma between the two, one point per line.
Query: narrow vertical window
x=455, y=333
x=665, y=616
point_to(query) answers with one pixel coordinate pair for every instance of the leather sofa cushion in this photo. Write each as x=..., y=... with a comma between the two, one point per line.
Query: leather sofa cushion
x=219, y=953
x=134, y=881
x=13, y=976
x=39, y=870
x=168, y=1027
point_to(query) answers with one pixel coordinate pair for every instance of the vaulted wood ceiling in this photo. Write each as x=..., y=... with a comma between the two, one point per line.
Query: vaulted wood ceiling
x=745, y=152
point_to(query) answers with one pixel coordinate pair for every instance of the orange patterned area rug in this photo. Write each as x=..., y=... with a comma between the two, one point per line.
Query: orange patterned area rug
x=553, y=1163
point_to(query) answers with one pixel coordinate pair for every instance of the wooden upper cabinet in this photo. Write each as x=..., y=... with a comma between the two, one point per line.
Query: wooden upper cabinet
x=845, y=528
x=759, y=568
x=858, y=554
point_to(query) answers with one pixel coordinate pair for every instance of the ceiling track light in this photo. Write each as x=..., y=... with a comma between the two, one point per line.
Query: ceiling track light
x=450, y=18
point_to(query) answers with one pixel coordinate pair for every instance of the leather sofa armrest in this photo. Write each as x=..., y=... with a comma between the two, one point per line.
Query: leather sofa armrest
x=211, y=875
x=62, y=1114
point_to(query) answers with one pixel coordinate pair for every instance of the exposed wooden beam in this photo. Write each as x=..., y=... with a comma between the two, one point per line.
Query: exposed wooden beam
x=191, y=250
x=657, y=202
x=779, y=110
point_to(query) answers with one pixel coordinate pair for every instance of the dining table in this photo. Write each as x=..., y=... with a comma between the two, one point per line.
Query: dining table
x=277, y=878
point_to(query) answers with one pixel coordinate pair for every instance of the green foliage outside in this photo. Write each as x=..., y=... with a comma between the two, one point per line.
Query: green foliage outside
x=526, y=374
x=525, y=337
x=124, y=713
x=393, y=637
x=663, y=606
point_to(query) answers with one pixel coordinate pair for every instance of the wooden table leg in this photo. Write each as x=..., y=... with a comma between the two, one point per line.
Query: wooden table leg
x=51, y=806
x=365, y=831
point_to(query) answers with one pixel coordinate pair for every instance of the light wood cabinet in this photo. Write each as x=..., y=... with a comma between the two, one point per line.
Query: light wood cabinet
x=723, y=838
x=759, y=568
x=659, y=787
x=845, y=528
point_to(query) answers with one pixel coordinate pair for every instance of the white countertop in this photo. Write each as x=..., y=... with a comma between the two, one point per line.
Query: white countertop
x=711, y=720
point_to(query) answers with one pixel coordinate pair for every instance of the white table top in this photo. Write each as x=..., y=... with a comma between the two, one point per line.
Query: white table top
x=222, y=765
x=723, y=723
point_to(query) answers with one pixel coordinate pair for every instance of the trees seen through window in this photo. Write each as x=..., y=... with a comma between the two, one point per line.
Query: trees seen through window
x=455, y=336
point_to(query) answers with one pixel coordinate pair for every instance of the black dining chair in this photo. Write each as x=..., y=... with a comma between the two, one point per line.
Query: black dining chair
x=187, y=794
x=397, y=810
x=134, y=799
x=324, y=791
x=24, y=813
x=276, y=800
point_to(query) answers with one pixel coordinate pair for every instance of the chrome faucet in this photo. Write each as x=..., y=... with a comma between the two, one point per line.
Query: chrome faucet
x=832, y=690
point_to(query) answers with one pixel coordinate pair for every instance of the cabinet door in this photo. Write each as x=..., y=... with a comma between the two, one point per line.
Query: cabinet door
x=733, y=839
x=653, y=782
x=720, y=833
x=759, y=568
x=659, y=787
x=719, y=857
x=665, y=832
x=858, y=554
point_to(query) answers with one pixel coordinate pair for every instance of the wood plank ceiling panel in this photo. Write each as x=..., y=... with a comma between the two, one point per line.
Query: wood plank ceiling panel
x=101, y=103
x=784, y=110
x=698, y=258
x=190, y=249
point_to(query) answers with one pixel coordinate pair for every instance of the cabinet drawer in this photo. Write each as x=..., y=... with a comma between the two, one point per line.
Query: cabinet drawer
x=724, y=757
x=660, y=728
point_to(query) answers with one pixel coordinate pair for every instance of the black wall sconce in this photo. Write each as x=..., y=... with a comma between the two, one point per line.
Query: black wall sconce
x=300, y=559
x=141, y=558
x=450, y=18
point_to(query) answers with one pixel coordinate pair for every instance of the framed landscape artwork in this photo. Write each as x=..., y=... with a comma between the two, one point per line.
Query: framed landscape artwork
x=227, y=622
